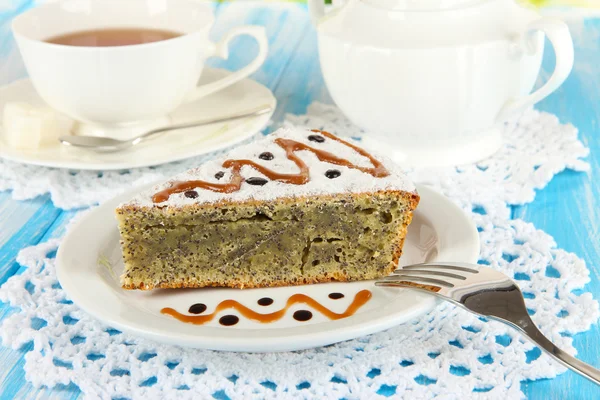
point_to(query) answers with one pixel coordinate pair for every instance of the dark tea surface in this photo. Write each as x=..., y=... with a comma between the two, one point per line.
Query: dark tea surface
x=113, y=37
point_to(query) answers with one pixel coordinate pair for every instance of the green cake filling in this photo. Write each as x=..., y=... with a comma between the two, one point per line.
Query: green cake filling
x=285, y=242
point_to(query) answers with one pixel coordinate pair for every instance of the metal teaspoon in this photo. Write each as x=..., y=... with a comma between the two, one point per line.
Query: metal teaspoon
x=104, y=144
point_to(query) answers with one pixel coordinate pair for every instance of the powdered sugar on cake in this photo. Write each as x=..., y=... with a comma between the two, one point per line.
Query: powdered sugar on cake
x=349, y=180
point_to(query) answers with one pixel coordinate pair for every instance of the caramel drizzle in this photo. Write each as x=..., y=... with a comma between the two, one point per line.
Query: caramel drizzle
x=359, y=300
x=290, y=147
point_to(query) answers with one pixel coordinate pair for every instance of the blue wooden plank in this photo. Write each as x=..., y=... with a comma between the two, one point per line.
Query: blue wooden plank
x=14, y=214
x=23, y=223
x=12, y=376
x=11, y=67
x=38, y=227
x=285, y=25
x=29, y=234
x=569, y=207
x=303, y=82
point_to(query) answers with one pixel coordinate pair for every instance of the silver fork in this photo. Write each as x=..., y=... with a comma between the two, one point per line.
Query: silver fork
x=485, y=292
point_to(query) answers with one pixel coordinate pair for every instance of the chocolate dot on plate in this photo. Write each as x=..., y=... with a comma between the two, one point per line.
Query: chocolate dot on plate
x=332, y=173
x=302, y=315
x=265, y=301
x=316, y=138
x=197, y=308
x=256, y=181
x=229, y=320
x=268, y=156
x=191, y=194
x=336, y=295
x=219, y=174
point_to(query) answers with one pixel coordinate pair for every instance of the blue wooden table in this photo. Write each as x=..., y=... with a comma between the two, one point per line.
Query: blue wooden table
x=568, y=208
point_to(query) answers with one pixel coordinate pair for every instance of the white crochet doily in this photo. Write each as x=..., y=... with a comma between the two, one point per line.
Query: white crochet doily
x=447, y=353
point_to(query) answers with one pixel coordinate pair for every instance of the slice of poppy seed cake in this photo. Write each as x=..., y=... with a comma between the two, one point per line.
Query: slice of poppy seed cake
x=294, y=208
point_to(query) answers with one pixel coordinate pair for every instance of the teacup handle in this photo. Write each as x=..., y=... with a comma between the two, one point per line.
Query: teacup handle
x=221, y=49
x=560, y=38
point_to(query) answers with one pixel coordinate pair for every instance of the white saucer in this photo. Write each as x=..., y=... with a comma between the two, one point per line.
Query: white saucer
x=172, y=146
x=89, y=262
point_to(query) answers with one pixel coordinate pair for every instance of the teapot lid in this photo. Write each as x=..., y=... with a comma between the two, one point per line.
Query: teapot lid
x=419, y=24
x=421, y=5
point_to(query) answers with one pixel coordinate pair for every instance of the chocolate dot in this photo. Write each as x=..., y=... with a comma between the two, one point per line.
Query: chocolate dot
x=332, y=173
x=302, y=315
x=336, y=296
x=219, y=174
x=191, y=194
x=265, y=301
x=229, y=320
x=197, y=308
x=266, y=156
x=256, y=181
x=316, y=138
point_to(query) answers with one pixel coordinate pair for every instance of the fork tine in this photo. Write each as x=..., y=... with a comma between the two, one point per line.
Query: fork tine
x=436, y=273
x=450, y=266
x=411, y=285
x=415, y=279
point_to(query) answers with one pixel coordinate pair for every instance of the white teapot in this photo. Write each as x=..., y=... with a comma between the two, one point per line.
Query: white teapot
x=431, y=80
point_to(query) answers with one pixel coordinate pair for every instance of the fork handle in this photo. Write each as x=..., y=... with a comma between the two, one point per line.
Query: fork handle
x=532, y=332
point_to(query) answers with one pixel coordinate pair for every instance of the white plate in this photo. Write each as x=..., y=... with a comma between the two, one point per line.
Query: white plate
x=439, y=231
x=169, y=147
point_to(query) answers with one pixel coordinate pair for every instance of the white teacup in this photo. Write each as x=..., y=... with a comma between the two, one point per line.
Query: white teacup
x=113, y=86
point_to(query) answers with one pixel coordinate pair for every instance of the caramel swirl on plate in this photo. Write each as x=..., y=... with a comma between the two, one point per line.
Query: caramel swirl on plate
x=359, y=300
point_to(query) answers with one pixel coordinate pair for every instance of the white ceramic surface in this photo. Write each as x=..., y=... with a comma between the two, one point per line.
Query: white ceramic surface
x=431, y=80
x=171, y=146
x=439, y=231
x=125, y=84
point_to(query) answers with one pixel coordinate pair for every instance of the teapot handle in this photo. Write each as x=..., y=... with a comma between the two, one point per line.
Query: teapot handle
x=560, y=38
